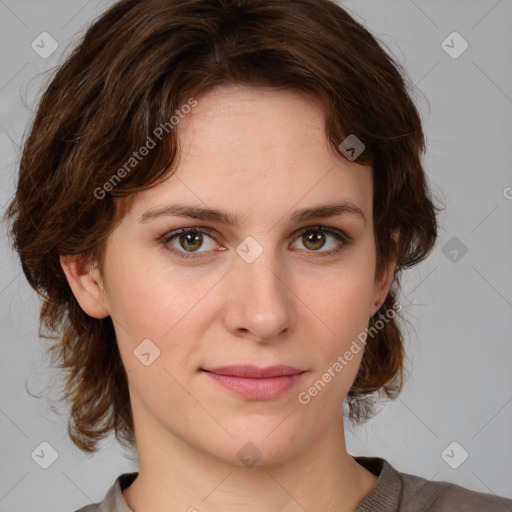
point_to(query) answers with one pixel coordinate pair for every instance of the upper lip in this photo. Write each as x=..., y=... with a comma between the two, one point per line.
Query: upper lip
x=254, y=372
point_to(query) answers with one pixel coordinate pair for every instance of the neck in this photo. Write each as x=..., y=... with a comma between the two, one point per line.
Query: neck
x=175, y=476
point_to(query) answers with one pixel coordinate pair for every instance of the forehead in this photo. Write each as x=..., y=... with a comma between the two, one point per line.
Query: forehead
x=230, y=117
x=252, y=149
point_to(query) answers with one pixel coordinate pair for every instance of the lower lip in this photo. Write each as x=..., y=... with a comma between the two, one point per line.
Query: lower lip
x=257, y=389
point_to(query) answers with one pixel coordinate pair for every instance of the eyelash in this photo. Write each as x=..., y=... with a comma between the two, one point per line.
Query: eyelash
x=341, y=237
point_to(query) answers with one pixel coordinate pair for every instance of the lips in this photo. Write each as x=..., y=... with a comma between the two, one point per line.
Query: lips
x=255, y=372
x=254, y=383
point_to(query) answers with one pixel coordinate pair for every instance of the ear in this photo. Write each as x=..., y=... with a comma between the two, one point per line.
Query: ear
x=86, y=284
x=384, y=281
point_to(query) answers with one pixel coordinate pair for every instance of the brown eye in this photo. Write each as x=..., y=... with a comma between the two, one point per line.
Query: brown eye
x=314, y=241
x=316, y=238
x=186, y=242
x=190, y=241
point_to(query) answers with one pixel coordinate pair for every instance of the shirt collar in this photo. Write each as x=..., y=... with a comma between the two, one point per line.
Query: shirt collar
x=384, y=496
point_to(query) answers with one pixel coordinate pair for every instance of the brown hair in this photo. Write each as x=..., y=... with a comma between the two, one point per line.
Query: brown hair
x=136, y=65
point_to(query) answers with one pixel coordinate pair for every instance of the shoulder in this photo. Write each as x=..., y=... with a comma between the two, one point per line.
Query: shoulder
x=95, y=507
x=444, y=496
x=114, y=500
x=402, y=492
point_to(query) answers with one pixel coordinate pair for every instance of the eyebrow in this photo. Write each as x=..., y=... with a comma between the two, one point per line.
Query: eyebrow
x=223, y=217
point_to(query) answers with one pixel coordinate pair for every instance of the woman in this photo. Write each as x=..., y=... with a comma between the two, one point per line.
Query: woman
x=215, y=200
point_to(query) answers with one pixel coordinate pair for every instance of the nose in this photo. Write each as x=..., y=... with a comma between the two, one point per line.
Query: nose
x=262, y=304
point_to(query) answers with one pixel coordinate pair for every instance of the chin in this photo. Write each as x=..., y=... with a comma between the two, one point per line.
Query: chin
x=256, y=444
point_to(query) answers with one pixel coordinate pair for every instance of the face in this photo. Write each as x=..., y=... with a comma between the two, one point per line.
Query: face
x=274, y=288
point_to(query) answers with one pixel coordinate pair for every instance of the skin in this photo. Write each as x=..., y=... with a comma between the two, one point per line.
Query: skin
x=260, y=155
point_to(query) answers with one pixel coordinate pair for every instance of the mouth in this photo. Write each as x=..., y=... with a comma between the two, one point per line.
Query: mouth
x=256, y=383
x=254, y=372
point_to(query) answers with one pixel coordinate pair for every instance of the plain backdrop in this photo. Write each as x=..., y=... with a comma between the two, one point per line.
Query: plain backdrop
x=459, y=301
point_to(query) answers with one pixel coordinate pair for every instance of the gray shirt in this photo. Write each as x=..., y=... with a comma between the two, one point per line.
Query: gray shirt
x=393, y=492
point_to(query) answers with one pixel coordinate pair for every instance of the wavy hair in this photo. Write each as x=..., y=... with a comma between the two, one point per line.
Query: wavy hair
x=134, y=67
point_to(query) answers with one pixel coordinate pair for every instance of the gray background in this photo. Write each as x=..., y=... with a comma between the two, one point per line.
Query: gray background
x=459, y=305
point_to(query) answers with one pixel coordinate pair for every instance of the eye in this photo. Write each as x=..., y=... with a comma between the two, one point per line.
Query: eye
x=315, y=238
x=184, y=241
x=187, y=242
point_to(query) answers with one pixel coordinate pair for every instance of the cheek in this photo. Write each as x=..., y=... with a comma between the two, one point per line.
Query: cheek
x=342, y=304
x=149, y=299
x=343, y=301
x=152, y=301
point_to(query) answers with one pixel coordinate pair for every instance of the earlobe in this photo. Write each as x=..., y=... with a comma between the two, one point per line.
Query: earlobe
x=86, y=285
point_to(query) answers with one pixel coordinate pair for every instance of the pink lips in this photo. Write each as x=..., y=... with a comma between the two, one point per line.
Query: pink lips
x=256, y=383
